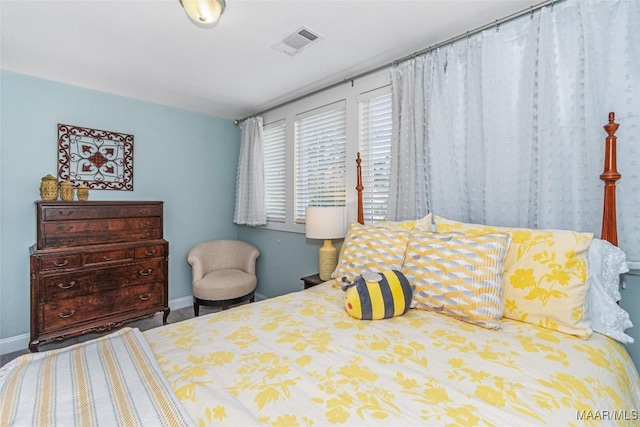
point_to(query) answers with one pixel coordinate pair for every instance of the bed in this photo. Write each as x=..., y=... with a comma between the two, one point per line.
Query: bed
x=464, y=355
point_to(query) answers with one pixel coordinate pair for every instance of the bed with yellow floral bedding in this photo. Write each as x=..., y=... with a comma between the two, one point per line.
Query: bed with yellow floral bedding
x=300, y=359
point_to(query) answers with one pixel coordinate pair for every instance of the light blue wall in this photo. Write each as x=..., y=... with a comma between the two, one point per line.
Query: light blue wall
x=284, y=258
x=188, y=160
x=630, y=300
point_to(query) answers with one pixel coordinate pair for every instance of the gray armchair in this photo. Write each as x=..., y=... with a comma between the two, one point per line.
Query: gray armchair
x=223, y=273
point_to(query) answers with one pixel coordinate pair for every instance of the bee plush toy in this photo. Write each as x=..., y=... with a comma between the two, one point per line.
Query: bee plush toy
x=375, y=296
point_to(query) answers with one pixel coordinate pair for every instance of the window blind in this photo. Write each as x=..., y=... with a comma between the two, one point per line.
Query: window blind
x=275, y=156
x=375, y=151
x=320, y=140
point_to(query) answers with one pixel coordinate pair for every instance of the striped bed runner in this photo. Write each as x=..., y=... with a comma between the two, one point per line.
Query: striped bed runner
x=111, y=381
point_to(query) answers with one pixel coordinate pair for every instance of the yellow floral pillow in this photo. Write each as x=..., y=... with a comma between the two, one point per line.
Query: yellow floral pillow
x=545, y=275
x=370, y=248
x=457, y=274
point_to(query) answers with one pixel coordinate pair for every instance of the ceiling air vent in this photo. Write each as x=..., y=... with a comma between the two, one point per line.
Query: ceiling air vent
x=297, y=41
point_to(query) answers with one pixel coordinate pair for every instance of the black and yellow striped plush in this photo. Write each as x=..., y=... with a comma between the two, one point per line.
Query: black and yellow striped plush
x=387, y=295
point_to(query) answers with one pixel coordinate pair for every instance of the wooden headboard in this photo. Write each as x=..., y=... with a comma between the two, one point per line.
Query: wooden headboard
x=609, y=176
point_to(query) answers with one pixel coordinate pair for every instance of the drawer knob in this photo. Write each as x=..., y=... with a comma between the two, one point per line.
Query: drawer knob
x=107, y=258
x=65, y=213
x=145, y=297
x=143, y=211
x=144, y=224
x=61, y=264
x=149, y=252
x=67, y=286
x=144, y=235
x=68, y=314
x=146, y=272
x=63, y=228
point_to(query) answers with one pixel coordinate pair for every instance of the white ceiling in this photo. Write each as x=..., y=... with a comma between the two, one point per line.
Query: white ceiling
x=150, y=50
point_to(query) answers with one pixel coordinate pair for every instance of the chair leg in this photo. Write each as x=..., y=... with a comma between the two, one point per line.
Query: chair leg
x=196, y=309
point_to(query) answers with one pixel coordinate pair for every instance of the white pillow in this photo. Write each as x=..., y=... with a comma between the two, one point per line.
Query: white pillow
x=606, y=263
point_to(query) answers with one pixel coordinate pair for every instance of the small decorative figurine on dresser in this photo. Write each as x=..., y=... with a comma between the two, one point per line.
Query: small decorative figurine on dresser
x=83, y=192
x=66, y=191
x=49, y=188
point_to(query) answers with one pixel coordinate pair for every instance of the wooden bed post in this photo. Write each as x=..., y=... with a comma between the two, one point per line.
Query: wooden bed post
x=359, y=189
x=610, y=176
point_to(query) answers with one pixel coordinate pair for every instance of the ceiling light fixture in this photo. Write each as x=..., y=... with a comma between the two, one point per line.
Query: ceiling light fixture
x=205, y=13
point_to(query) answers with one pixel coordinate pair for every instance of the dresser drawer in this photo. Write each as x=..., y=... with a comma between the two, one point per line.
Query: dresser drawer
x=150, y=251
x=58, y=315
x=87, y=239
x=101, y=225
x=63, y=212
x=57, y=262
x=58, y=287
x=107, y=256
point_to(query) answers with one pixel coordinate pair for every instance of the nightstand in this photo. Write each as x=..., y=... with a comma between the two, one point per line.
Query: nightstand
x=310, y=281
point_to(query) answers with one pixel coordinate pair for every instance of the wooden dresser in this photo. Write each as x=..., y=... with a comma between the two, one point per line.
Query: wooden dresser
x=95, y=266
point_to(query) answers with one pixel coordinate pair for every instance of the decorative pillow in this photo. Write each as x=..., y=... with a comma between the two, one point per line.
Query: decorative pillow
x=424, y=223
x=370, y=248
x=606, y=264
x=408, y=225
x=545, y=275
x=375, y=296
x=458, y=275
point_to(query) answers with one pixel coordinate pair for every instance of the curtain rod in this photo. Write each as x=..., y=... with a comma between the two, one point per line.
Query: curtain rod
x=496, y=24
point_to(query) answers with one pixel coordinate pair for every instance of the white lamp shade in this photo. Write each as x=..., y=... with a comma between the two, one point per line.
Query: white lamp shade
x=325, y=222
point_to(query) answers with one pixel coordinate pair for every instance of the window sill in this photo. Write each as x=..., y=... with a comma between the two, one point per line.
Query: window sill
x=279, y=226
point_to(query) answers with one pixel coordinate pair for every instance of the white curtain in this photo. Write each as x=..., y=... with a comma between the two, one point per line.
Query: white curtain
x=407, y=187
x=250, y=195
x=513, y=121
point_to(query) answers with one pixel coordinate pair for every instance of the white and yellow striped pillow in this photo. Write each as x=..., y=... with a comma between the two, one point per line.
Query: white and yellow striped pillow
x=459, y=275
x=424, y=223
x=370, y=248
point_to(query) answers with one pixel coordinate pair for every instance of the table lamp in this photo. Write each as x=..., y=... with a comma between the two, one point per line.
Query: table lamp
x=324, y=222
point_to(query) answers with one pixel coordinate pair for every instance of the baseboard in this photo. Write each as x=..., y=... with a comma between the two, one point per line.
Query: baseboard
x=21, y=342
x=11, y=344
x=178, y=303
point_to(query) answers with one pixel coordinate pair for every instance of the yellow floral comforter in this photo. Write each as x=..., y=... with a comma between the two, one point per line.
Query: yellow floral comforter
x=300, y=360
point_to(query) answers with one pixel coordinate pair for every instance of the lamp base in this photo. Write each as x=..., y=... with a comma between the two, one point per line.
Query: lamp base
x=327, y=260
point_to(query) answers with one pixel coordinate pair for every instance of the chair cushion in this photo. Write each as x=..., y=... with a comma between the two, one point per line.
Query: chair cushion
x=225, y=284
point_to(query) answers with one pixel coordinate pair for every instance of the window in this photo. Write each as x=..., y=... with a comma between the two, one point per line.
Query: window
x=310, y=150
x=375, y=150
x=320, y=141
x=275, y=156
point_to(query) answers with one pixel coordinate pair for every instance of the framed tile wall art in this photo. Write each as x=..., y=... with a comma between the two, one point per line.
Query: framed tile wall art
x=100, y=159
